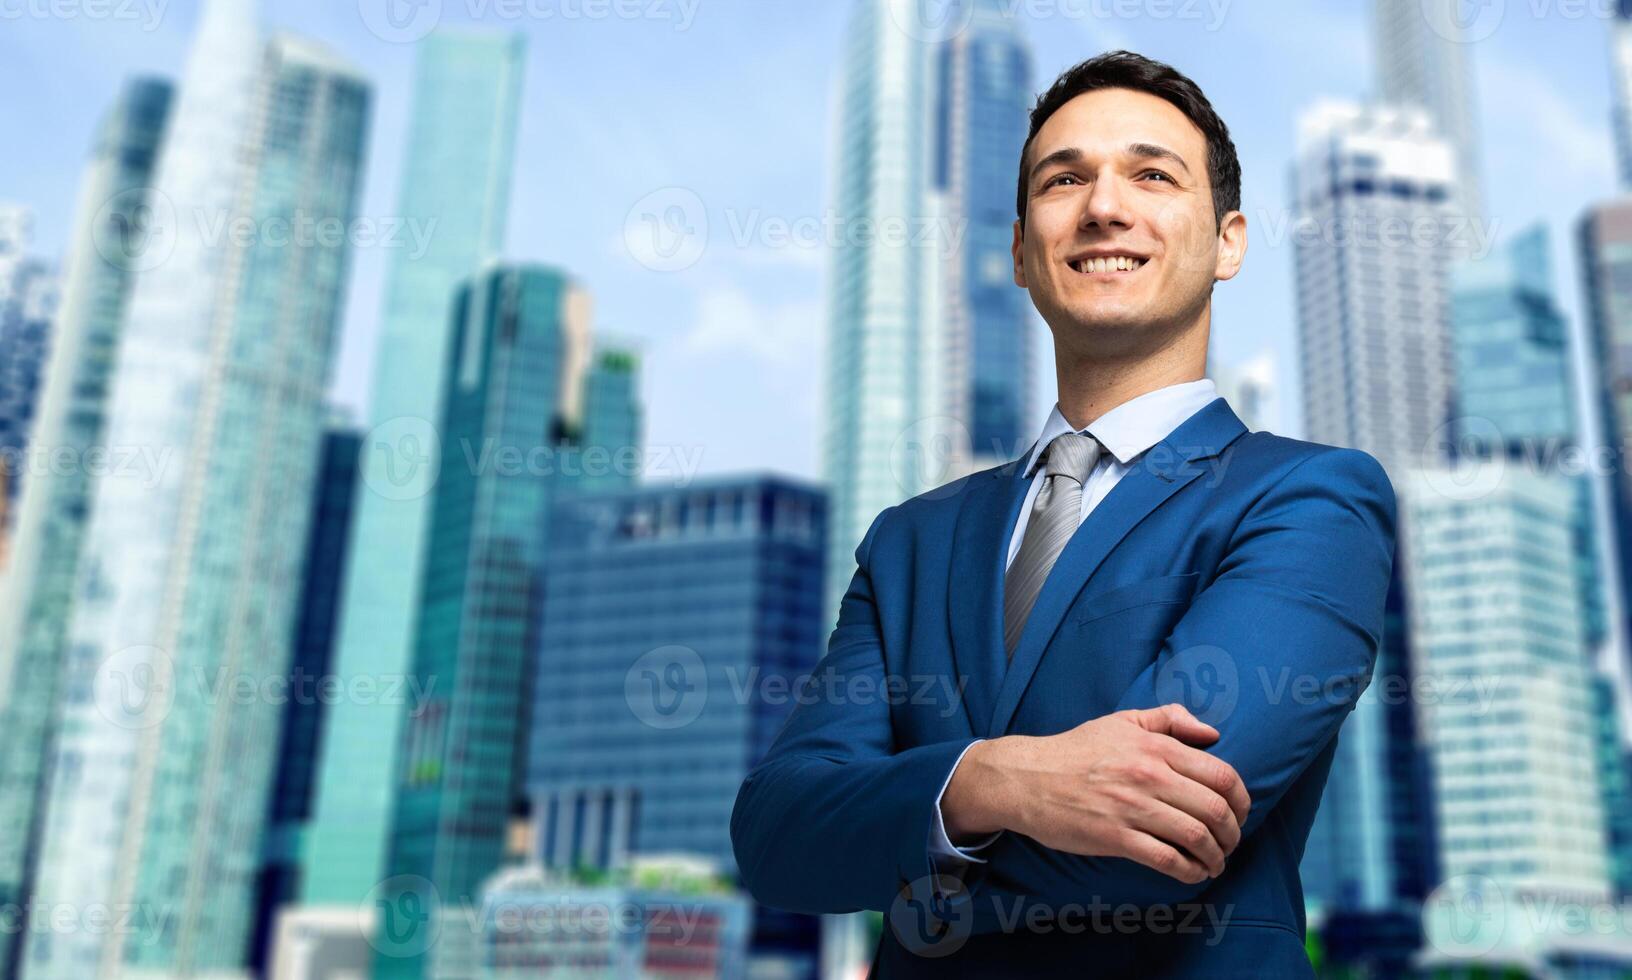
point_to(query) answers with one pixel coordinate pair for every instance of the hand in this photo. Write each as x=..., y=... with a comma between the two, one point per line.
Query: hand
x=1134, y=784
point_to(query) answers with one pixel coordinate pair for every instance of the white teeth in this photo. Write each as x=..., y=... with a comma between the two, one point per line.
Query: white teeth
x=1114, y=263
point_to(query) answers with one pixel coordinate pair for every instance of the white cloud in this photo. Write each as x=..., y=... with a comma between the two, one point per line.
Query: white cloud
x=728, y=320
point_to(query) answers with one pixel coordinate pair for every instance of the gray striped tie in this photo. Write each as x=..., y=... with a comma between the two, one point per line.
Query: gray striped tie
x=1054, y=518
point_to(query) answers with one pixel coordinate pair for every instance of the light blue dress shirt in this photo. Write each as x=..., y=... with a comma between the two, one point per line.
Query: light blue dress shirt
x=1126, y=432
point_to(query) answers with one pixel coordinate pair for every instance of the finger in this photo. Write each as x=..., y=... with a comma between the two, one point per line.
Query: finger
x=1173, y=826
x=1176, y=720
x=1211, y=772
x=1207, y=806
x=1162, y=857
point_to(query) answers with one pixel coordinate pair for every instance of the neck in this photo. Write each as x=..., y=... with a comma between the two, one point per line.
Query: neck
x=1092, y=384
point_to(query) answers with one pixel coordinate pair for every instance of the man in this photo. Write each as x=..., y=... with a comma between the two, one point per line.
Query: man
x=1156, y=620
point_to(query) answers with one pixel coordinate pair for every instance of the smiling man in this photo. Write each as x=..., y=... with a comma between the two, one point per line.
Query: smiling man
x=1157, y=620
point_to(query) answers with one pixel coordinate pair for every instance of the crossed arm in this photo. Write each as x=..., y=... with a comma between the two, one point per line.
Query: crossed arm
x=836, y=818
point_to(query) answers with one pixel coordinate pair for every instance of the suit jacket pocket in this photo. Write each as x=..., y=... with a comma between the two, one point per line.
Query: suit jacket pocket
x=1168, y=588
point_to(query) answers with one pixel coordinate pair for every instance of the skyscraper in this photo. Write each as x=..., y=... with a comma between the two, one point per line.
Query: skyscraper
x=28, y=302
x=1422, y=51
x=888, y=433
x=1496, y=617
x=289, y=807
x=679, y=623
x=461, y=138
x=189, y=581
x=512, y=394
x=983, y=97
x=1620, y=63
x=1373, y=330
x=1516, y=399
x=36, y=584
x=1604, y=244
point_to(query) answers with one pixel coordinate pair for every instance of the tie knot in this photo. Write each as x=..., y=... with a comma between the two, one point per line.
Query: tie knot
x=1072, y=454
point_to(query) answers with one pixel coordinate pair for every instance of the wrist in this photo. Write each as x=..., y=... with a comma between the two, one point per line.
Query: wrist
x=973, y=805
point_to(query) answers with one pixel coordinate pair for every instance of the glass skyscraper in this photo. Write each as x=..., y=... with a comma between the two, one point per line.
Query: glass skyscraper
x=458, y=159
x=1422, y=52
x=886, y=424
x=983, y=98
x=512, y=396
x=678, y=624
x=1377, y=366
x=313, y=638
x=28, y=302
x=189, y=580
x=36, y=586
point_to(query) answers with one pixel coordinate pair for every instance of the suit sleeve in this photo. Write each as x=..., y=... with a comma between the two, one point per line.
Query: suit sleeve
x=1273, y=653
x=835, y=819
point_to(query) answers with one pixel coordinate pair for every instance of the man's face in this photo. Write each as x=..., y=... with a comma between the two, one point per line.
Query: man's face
x=1121, y=173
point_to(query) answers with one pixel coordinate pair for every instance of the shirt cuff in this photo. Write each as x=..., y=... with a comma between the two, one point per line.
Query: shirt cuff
x=940, y=845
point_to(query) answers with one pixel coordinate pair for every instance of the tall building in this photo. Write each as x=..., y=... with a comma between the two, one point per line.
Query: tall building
x=1620, y=62
x=37, y=577
x=929, y=340
x=1373, y=316
x=1496, y=616
x=983, y=97
x=609, y=436
x=28, y=302
x=1377, y=367
x=1516, y=398
x=678, y=625
x=512, y=396
x=1422, y=50
x=188, y=583
x=884, y=425
x=1604, y=244
x=308, y=697
x=458, y=158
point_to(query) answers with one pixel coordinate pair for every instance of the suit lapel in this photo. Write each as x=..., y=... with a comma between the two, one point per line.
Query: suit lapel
x=1164, y=470
x=974, y=590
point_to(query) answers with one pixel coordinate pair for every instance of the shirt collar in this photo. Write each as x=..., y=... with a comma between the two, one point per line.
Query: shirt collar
x=1135, y=425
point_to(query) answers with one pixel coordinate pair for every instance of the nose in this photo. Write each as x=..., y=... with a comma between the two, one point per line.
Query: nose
x=1105, y=207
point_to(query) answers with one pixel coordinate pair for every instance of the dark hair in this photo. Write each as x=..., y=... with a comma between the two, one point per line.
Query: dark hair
x=1124, y=69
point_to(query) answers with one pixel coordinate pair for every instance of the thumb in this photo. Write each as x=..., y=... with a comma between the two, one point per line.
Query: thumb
x=1176, y=720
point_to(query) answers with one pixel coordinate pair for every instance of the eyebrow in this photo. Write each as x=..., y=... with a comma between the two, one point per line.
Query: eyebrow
x=1143, y=151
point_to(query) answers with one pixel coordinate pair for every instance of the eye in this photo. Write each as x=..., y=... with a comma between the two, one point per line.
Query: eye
x=1059, y=177
x=1157, y=173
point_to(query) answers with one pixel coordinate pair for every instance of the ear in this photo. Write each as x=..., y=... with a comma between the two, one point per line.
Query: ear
x=1017, y=250
x=1232, y=246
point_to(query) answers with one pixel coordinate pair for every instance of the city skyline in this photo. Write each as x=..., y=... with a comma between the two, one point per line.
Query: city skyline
x=748, y=319
x=562, y=266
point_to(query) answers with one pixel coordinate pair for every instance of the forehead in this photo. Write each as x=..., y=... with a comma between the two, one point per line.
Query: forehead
x=1106, y=120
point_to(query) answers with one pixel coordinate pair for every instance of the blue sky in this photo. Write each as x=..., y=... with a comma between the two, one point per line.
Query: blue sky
x=735, y=108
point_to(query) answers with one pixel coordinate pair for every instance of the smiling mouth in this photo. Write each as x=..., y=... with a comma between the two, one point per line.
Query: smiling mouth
x=1113, y=265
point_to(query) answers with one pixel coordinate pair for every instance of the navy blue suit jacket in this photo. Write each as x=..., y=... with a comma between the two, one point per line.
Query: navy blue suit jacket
x=1241, y=574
